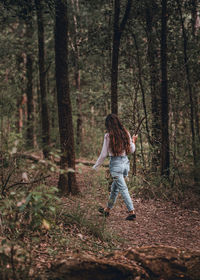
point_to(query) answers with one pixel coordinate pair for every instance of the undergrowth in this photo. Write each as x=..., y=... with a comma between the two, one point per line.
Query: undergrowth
x=34, y=215
x=176, y=188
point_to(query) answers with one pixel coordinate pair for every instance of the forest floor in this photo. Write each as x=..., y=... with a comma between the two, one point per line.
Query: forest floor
x=81, y=229
x=158, y=222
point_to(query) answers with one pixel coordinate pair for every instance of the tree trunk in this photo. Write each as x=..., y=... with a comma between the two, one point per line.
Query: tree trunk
x=165, y=156
x=117, y=32
x=79, y=105
x=77, y=77
x=29, y=88
x=194, y=17
x=155, y=90
x=195, y=22
x=195, y=149
x=42, y=74
x=21, y=97
x=134, y=124
x=67, y=180
x=21, y=101
x=142, y=87
x=115, y=57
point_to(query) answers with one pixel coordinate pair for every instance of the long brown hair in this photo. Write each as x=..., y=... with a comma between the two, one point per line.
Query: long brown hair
x=119, y=137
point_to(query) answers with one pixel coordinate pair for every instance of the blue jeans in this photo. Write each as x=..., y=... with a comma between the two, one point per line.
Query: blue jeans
x=119, y=168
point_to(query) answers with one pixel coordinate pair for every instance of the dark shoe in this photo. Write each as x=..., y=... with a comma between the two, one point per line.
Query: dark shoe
x=131, y=217
x=102, y=211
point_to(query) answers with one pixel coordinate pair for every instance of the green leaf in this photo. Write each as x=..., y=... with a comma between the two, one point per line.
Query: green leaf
x=21, y=208
x=3, y=242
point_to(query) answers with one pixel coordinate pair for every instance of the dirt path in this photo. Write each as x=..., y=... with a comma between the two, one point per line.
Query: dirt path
x=157, y=222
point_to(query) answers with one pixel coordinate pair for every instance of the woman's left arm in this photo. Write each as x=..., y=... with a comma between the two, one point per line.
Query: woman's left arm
x=132, y=143
x=104, y=152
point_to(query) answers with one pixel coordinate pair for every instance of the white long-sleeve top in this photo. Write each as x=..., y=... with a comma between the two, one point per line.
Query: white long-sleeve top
x=106, y=150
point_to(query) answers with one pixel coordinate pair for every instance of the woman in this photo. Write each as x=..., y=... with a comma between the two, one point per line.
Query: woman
x=117, y=144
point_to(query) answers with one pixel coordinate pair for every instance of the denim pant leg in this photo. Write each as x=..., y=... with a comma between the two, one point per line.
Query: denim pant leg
x=113, y=194
x=123, y=189
x=119, y=167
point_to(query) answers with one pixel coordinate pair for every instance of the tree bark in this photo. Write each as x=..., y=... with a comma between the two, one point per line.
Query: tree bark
x=42, y=75
x=67, y=180
x=31, y=138
x=194, y=17
x=155, y=89
x=117, y=32
x=195, y=148
x=21, y=101
x=165, y=156
x=21, y=98
x=77, y=77
x=142, y=87
x=195, y=21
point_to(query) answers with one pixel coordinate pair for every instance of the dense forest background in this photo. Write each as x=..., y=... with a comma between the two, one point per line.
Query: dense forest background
x=64, y=66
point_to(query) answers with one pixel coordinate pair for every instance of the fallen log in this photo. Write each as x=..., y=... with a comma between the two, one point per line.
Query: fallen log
x=151, y=262
x=39, y=159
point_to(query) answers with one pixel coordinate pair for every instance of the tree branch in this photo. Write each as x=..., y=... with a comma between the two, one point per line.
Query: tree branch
x=126, y=15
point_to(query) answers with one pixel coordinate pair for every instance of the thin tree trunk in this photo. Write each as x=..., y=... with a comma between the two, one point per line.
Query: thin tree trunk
x=117, y=32
x=165, y=156
x=67, y=180
x=195, y=150
x=42, y=74
x=134, y=124
x=79, y=110
x=53, y=110
x=155, y=90
x=29, y=87
x=22, y=101
x=142, y=87
x=194, y=17
x=115, y=57
x=19, y=115
x=194, y=20
x=77, y=78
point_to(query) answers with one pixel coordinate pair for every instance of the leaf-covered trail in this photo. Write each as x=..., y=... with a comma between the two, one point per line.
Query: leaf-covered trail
x=157, y=222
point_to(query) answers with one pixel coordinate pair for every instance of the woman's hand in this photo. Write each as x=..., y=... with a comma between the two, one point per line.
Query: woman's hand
x=134, y=138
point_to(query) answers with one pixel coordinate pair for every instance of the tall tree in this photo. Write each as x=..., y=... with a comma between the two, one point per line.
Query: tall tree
x=21, y=98
x=117, y=33
x=42, y=74
x=191, y=94
x=67, y=180
x=151, y=19
x=164, y=95
x=195, y=20
x=194, y=16
x=76, y=53
x=141, y=85
x=31, y=137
